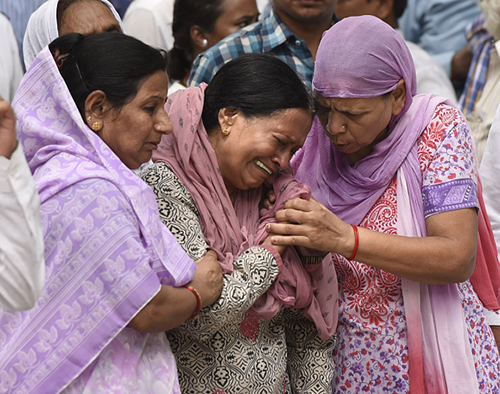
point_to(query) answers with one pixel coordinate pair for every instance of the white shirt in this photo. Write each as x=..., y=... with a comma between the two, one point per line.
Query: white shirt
x=490, y=176
x=11, y=69
x=22, y=265
x=151, y=22
x=431, y=76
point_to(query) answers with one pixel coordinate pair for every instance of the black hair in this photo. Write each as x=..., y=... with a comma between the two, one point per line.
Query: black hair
x=257, y=84
x=115, y=63
x=189, y=13
x=399, y=8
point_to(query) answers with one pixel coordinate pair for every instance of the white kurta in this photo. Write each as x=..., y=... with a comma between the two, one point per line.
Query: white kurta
x=22, y=267
x=11, y=70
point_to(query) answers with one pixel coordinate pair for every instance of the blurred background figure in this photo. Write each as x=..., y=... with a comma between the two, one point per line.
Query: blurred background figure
x=431, y=77
x=288, y=29
x=121, y=6
x=57, y=17
x=151, y=22
x=489, y=170
x=438, y=26
x=11, y=70
x=481, y=95
x=22, y=268
x=18, y=12
x=197, y=28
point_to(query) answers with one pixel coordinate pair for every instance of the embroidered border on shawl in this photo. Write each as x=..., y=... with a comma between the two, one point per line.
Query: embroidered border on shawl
x=449, y=196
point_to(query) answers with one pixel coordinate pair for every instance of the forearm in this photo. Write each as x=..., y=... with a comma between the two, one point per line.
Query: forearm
x=445, y=255
x=431, y=259
x=171, y=307
x=254, y=271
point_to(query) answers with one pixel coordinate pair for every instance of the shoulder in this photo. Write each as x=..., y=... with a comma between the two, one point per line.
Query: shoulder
x=166, y=184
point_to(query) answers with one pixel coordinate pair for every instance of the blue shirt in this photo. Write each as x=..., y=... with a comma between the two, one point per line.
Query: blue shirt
x=19, y=12
x=270, y=35
x=438, y=26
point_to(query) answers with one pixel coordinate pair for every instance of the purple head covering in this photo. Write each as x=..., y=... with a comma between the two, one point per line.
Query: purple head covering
x=373, y=56
x=362, y=57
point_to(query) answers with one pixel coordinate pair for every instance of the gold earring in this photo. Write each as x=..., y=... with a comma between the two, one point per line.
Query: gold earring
x=96, y=126
x=225, y=131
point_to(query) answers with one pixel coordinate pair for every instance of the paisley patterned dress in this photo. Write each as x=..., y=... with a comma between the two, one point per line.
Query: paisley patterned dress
x=372, y=352
x=224, y=350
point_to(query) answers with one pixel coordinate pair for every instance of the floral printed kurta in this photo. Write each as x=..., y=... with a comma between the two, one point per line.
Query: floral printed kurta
x=372, y=351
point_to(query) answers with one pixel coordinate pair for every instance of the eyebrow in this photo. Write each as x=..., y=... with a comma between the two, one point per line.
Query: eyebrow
x=112, y=28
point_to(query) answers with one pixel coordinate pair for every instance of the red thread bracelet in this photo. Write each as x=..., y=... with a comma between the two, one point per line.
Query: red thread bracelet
x=356, y=242
x=198, y=300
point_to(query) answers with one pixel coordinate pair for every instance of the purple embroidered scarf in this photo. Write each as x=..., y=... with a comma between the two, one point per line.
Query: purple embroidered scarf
x=106, y=254
x=229, y=230
x=362, y=57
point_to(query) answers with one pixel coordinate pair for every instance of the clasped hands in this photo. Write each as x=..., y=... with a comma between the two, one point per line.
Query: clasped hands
x=311, y=224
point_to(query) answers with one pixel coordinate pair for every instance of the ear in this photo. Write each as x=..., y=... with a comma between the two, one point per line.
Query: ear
x=96, y=106
x=399, y=95
x=197, y=37
x=227, y=117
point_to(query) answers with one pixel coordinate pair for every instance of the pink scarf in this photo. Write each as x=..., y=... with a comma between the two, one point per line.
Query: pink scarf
x=229, y=230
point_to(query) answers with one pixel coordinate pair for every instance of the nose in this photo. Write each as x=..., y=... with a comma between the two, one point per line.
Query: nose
x=163, y=123
x=282, y=159
x=335, y=125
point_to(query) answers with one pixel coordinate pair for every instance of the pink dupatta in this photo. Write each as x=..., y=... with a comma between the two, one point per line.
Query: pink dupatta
x=229, y=230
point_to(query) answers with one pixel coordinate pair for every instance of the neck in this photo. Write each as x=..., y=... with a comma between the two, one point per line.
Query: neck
x=311, y=31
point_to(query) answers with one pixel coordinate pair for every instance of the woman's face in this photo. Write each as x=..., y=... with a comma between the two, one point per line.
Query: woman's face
x=355, y=125
x=236, y=14
x=135, y=130
x=88, y=17
x=256, y=148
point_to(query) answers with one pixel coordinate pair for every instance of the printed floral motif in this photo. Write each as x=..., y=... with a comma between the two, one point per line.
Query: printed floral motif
x=249, y=327
x=372, y=355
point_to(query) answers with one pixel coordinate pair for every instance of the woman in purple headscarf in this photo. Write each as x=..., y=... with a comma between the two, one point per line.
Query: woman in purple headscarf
x=395, y=179
x=90, y=109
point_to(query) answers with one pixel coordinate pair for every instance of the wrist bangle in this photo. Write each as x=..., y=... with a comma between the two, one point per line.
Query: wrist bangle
x=198, y=300
x=356, y=242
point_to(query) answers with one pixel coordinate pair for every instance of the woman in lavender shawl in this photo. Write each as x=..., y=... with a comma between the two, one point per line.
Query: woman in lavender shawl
x=395, y=180
x=90, y=109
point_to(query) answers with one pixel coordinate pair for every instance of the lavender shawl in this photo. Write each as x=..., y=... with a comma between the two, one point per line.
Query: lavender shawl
x=362, y=57
x=106, y=254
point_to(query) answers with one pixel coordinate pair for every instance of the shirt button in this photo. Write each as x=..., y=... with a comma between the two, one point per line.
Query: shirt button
x=298, y=43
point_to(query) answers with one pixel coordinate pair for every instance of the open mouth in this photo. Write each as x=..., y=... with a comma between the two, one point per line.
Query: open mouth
x=261, y=165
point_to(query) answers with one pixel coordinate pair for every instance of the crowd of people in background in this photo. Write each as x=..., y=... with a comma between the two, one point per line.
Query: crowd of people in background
x=249, y=196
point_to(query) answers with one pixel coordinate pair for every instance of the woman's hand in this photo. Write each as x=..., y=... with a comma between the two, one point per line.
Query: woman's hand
x=279, y=248
x=269, y=200
x=8, y=142
x=172, y=306
x=310, y=224
x=446, y=255
x=208, y=279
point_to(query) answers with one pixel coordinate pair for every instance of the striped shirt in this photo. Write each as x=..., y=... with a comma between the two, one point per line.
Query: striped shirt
x=476, y=78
